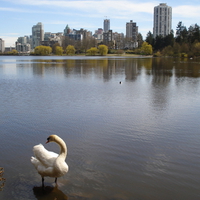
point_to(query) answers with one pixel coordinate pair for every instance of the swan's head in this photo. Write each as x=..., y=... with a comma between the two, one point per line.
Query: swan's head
x=51, y=138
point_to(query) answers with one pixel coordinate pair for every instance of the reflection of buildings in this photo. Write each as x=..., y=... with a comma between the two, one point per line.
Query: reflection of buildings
x=161, y=77
x=161, y=71
x=131, y=71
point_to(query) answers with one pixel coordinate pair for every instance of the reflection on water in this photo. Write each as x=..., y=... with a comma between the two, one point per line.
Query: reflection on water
x=106, y=67
x=135, y=140
x=49, y=193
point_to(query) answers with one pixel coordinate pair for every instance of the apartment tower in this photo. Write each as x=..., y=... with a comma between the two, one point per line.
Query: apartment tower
x=162, y=20
x=131, y=30
x=106, y=25
x=37, y=35
x=2, y=46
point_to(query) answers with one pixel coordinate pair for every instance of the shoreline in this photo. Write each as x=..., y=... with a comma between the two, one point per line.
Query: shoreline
x=79, y=55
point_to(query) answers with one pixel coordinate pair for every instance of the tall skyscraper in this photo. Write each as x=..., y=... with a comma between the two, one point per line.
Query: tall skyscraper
x=131, y=30
x=2, y=46
x=106, y=25
x=162, y=20
x=66, y=30
x=37, y=35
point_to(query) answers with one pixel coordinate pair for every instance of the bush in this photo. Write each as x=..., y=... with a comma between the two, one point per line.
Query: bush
x=146, y=49
x=58, y=50
x=70, y=50
x=92, y=51
x=157, y=54
x=103, y=49
x=42, y=50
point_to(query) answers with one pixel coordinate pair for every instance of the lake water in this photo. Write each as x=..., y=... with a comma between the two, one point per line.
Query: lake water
x=136, y=140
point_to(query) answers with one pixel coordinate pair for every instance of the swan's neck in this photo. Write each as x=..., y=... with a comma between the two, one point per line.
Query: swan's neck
x=63, y=148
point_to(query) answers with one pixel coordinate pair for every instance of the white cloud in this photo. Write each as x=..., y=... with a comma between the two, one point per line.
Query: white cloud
x=9, y=40
x=186, y=11
x=11, y=9
x=118, y=8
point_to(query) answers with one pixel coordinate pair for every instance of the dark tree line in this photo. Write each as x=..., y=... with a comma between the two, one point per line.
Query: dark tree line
x=184, y=40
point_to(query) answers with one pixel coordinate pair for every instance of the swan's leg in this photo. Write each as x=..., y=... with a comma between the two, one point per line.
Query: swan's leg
x=42, y=181
x=56, y=180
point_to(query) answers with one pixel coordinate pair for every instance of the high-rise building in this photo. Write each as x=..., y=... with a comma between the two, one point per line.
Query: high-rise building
x=107, y=37
x=37, y=35
x=22, y=44
x=2, y=46
x=131, y=30
x=106, y=25
x=162, y=20
x=67, y=30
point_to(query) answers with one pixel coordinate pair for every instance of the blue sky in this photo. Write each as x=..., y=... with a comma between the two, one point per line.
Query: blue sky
x=18, y=16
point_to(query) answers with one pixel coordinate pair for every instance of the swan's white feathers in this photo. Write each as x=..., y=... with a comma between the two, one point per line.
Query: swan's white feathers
x=44, y=156
x=48, y=163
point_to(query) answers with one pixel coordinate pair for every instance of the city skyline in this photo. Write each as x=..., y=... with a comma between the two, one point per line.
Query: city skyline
x=20, y=16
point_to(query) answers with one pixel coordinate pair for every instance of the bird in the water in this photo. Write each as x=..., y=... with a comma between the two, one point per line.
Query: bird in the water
x=48, y=163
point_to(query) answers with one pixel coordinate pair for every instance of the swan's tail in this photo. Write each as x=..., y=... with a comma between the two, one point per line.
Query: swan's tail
x=34, y=161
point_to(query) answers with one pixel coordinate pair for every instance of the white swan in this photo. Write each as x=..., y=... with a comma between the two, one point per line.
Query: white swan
x=48, y=163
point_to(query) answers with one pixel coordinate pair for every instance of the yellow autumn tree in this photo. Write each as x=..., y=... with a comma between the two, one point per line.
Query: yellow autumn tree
x=146, y=49
x=70, y=50
x=92, y=51
x=103, y=49
x=58, y=50
x=42, y=50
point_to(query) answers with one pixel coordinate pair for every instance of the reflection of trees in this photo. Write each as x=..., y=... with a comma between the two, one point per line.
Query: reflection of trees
x=131, y=69
x=161, y=69
x=161, y=76
x=187, y=69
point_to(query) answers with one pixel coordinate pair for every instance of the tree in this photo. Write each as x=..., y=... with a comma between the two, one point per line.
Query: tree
x=92, y=51
x=70, y=50
x=150, y=38
x=54, y=47
x=196, y=33
x=196, y=49
x=181, y=33
x=169, y=39
x=103, y=49
x=14, y=52
x=59, y=50
x=146, y=49
x=68, y=41
x=140, y=40
x=42, y=50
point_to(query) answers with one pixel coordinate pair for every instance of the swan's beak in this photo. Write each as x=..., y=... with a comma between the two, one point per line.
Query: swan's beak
x=47, y=140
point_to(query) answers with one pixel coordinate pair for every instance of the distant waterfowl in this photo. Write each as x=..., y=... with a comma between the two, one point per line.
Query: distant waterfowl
x=48, y=163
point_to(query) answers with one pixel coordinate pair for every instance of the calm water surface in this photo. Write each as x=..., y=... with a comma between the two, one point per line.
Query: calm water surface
x=137, y=140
